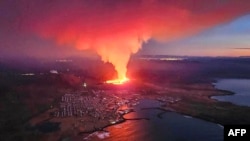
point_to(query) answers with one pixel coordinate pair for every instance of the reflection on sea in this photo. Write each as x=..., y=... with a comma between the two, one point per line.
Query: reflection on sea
x=149, y=126
x=241, y=88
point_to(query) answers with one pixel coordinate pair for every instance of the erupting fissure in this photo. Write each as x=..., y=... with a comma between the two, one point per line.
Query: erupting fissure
x=118, y=81
x=117, y=51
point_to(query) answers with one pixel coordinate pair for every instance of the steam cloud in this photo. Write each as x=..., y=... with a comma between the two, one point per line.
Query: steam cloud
x=115, y=29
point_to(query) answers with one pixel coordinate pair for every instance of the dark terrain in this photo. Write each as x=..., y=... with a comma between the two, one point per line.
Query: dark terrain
x=23, y=96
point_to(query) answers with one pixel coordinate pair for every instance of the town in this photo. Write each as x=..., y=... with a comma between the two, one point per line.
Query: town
x=98, y=104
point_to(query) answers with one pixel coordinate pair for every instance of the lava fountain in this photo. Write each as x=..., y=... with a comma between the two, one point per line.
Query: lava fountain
x=119, y=51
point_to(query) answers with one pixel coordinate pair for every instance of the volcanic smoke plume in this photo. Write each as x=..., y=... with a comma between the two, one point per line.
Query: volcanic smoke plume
x=115, y=29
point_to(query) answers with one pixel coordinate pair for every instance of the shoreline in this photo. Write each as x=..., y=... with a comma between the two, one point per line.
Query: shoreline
x=159, y=115
x=221, y=105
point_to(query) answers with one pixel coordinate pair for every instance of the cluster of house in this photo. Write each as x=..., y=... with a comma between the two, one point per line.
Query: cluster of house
x=98, y=105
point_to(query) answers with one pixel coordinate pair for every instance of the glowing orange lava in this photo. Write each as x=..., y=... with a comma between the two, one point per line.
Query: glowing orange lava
x=118, y=81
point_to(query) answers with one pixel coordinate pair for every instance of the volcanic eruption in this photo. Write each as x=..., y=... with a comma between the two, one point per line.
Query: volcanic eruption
x=115, y=29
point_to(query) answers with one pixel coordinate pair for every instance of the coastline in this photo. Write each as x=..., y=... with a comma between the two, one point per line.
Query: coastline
x=218, y=111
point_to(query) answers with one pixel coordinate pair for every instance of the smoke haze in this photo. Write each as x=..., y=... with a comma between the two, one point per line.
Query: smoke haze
x=115, y=29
